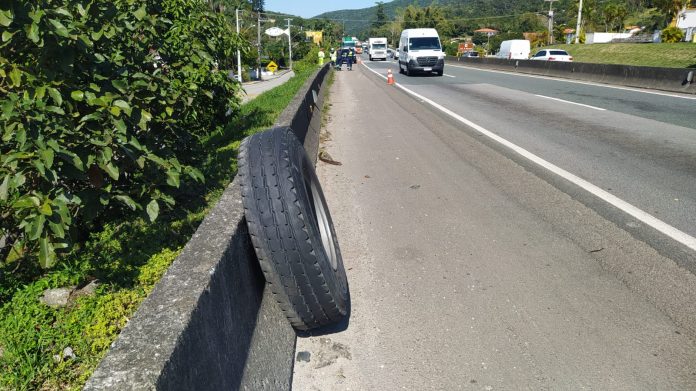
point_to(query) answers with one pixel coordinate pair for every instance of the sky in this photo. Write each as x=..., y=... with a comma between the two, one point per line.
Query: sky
x=309, y=8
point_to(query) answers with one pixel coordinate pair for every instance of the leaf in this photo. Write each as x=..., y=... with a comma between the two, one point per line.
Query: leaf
x=173, y=178
x=16, y=77
x=47, y=255
x=33, y=33
x=5, y=18
x=77, y=95
x=152, y=210
x=46, y=209
x=6, y=36
x=16, y=253
x=145, y=117
x=36, y=227
x=122, y=104
x=40, y=93
x=90, y=117
x=169, y=111
x=47, y=157
x=55, y=109
x=140, y=13
x=7, y=108
x=96, y=35
x=61, y=30
x=63, y=11
x=115, y=111
x=127, y=201
x=4, y=187
x=26, y=202
x=55, y=95
x=120, y=85
x=195, y=174
x=57, y=229
x=111, y=170
x=120, y=126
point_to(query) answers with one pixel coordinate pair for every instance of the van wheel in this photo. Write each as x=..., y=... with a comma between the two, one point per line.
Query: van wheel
x=439, y=73
x=408, y=71
x=401, y=70
x=291, y=229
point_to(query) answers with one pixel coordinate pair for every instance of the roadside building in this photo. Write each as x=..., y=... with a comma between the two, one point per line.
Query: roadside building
x=686, y=21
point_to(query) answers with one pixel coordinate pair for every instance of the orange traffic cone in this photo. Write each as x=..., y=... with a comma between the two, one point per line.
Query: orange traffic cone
x=390, y=77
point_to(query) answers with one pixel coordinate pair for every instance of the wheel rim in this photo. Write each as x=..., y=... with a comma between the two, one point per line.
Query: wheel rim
x=321, y=217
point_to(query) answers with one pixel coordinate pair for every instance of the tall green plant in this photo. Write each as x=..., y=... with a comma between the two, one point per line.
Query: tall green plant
x=672, y=35
x=101, y=105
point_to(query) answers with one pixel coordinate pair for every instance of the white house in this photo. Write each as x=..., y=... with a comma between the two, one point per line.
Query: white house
x=686, y=20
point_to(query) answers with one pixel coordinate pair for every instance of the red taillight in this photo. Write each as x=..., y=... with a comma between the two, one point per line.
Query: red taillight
x=552, y=58
x=570, y=58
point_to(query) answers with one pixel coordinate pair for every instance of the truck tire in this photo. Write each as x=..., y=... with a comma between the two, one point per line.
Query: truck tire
x=291, y=229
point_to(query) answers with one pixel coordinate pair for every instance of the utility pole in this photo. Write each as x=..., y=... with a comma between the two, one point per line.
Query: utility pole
x=239, y=53
x=289, y=42
x=550, y=20
x=577, y=29
x=258, y=45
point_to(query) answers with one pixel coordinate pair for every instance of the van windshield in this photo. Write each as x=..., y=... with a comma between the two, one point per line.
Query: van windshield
x=379, y=45
x=424, y=43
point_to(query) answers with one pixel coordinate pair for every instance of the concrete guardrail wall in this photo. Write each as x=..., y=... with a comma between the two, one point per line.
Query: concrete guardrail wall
x=210, y=323
x=667, y=79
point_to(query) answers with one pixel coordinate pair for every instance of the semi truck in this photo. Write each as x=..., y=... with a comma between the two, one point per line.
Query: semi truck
x=377, y=47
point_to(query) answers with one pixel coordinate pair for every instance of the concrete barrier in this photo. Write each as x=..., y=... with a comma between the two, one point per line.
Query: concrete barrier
x=665, y=79
x=210, y=323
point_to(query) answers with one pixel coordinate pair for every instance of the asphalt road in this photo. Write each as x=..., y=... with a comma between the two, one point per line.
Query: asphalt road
x=639, y=146
x=470, y=270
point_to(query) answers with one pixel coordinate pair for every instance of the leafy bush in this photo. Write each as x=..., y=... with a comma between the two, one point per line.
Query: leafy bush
x=102, y=105
x=672, y=35
x=126, y=257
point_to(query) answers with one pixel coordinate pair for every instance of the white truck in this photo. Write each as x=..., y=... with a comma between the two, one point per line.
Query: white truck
x=377, y=47
x=420, y=51
x=514, y=49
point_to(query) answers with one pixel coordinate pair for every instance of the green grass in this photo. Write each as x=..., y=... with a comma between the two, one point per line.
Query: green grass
x=669, y=55
x=126, y=257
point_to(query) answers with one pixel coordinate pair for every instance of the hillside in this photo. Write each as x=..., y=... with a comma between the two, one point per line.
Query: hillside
x=358, y=21
x=671, y=55
x=516, y=15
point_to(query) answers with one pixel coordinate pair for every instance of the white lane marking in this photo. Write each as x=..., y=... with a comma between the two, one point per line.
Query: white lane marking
x=659, y=225
x=448, y=75
x=572, y=103
x=589, y=83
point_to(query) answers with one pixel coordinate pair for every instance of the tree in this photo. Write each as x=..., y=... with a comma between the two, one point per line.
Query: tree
x=614, y=15
x=427, y=17
x=381, y=16
x=671, y=7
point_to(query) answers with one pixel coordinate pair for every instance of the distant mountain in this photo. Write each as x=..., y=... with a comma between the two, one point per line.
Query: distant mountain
x=358, y=21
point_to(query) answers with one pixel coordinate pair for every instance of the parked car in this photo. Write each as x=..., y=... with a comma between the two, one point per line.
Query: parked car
x=552, y=55
x=471, y=53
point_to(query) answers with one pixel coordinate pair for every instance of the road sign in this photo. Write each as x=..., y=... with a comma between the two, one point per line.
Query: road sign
x=275, y=31
x=272, y=67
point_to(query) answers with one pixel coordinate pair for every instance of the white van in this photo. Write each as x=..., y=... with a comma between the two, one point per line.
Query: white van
x=514, y=49
x=377, y=47
x=420, y=51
